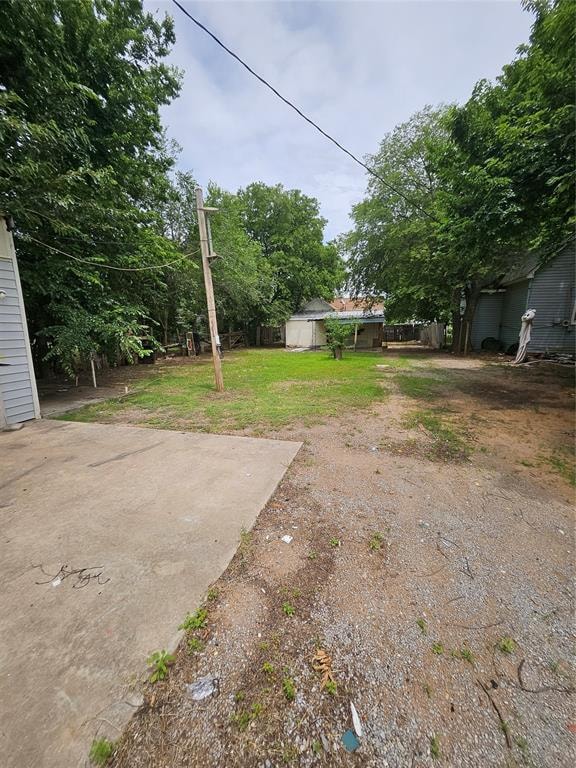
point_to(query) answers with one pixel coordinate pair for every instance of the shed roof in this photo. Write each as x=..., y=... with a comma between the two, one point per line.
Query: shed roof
x=359, y=315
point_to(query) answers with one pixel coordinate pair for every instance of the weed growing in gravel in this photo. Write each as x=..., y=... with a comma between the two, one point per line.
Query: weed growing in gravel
x=101, y=751
x=423, y=626
x=268, y=669
x=244, y=717
x=312, y=555
x=239, y=696
x=289, y=688
x=334, y=542
x=160, y=661
x=289, y=754
x=522, y=745
x=435, y=747
x=555, y=666
x=195, y=620
x=506, y=645
x=330, y=687
x=317, y=747
x=427, y=690
x=463, y=653
x=288, y=609
x=212, y=594
x=195, y=645
x=438, y=649
x=245, y=543
x=376, y=542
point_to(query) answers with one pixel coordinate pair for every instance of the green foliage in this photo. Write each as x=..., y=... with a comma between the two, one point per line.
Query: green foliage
x=335, y=542
x=506, y=645
x=268, y=669
x=160, y=661
x=438, y=649
x=101, y=751
x=487, y=181
x=195, y=645
x=288, y=226
x=195, y=620
x=435, y=747
x=331, y=688
x=337, y=334
x=463, y=653
x=83, y=166
x=289, y=688
x=422, y=626
x=376, y=542
x=288, y=609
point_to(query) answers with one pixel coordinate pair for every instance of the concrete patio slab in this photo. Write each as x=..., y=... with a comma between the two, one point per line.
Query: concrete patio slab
x=110, y=534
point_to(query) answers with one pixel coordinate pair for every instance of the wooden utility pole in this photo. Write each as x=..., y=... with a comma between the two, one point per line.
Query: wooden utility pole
x=212, y=320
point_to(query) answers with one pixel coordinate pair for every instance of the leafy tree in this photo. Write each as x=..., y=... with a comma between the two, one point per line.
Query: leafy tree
x=392, y=249
x=495, y=176
x=288, y=226
x=83, y=160
x=337, y=334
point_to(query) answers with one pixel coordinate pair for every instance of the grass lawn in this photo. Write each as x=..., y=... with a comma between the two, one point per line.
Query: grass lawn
x=264, y=388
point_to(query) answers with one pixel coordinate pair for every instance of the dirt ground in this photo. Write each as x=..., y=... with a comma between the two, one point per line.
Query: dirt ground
x=440, y=588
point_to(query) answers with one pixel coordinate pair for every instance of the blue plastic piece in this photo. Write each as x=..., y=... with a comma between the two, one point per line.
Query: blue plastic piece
x=350, y=741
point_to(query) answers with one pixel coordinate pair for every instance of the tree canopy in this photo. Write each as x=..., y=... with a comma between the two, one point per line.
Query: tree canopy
x=494, y=175
x=106, y=231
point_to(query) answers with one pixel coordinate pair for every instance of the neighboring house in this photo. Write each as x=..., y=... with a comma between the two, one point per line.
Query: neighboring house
x=549, y=288
x=307, y=327
x=18, y=394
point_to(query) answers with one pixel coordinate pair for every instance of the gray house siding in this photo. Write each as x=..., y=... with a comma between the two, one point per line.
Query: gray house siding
x=513, y=308
x=487, y=318
x=552, y=295
x=17, y=384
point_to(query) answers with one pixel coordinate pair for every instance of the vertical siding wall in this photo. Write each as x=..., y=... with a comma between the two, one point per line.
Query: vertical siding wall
x=17, y=382
x=487, y=317
x=552, y=295
x=512, y=311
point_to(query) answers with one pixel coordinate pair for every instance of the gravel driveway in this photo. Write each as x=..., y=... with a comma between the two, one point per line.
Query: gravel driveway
x=440, y=589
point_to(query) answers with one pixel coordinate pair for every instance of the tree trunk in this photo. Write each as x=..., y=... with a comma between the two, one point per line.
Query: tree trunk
x=462, y=325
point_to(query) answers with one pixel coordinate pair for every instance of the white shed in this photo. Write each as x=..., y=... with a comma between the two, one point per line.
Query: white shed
x=307, y=328
x=18, y=393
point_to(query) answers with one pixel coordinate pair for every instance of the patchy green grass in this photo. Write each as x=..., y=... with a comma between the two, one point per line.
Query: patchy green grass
x=418, y=386
x=264, y=387
x=448, y=442
x=564, y=464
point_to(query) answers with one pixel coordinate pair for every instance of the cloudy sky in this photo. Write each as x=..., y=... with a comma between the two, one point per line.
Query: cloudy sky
x=357, y=68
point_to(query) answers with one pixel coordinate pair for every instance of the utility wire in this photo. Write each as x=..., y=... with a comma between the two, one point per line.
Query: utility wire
x=299, y=111
x=108, y=266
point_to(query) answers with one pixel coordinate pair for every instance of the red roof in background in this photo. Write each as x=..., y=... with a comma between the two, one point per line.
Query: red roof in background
x=342, y=304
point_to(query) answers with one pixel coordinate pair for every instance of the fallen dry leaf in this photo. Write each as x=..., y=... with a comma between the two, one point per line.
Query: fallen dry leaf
x=322, y=662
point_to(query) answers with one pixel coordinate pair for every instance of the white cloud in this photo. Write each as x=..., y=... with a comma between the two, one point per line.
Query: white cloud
x=357, y=68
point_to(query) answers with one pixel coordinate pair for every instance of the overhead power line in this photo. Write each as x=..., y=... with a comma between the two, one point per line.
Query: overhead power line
x=108, y=266
x=302, y=114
